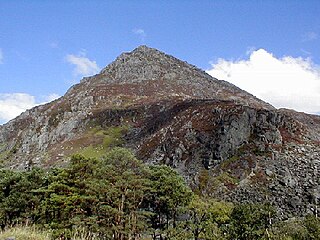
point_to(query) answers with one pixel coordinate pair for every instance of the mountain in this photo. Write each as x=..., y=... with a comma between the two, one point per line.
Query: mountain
x=224, y=141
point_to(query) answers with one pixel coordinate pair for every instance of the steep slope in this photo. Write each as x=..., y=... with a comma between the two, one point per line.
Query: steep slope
x=224, y=141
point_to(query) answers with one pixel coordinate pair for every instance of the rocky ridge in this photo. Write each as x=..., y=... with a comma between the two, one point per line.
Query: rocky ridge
x=224, y=141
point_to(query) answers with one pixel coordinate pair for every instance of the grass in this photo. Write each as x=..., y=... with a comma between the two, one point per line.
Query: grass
x=34, y=233
x=82, y=234
x=226, y=164
x=226, y=178
x=111, y=137
x=25, y=233
x=93, y=152
x=4, y=155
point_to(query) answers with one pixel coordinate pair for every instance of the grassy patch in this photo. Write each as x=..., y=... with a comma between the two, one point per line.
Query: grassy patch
x=111, y=137
x=4, y=155
x=226, y=164
x=227, y=179
x=92, y=152
x=33, y=233
x=25, y=233
x=82, y=234
x=208, y=183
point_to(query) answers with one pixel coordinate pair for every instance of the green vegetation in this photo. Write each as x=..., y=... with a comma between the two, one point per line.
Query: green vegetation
x=119, y=197
x=3, y=156
x=227, y=179
x=251, y=221
x=225, y=164
x=110, y=137
x=116, y=197
x=297, y=229
x=25, y=233
x=208, y=183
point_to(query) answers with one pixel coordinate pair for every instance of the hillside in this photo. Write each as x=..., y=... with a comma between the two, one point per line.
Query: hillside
x=224, y=141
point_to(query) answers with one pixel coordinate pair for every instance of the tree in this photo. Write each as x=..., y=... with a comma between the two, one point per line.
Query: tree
x=18, y=203
x=121, y=190
x=312, y=224
x=250, y=221
x=169, y=195
x=206, y=217
x=67, y=202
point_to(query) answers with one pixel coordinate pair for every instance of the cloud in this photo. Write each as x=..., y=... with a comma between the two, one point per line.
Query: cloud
x=13, y=104
x=285, y=82
x=83, y=65
x=54, y=45
x=309, y=36
x=1, y=56
x=51, y=97
x=140, y=32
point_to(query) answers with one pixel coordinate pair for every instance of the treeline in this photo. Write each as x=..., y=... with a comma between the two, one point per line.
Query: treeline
x=119, y=197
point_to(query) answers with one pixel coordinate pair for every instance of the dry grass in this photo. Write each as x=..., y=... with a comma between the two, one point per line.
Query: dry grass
x=82, y=234
x=25, y=233
x=34, y=233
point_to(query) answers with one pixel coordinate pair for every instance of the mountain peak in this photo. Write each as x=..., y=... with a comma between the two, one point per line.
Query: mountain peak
x=144, y=48
x=140, y=51
x=145, y=63
x=148, y=72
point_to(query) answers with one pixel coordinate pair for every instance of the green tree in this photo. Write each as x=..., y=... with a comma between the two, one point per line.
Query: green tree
x=168, y=197
x=292, y=229
x=67, y=202
x=18, y=203
x=250, y=221
x=207, y=216
x=121, y=188
x=312, y=224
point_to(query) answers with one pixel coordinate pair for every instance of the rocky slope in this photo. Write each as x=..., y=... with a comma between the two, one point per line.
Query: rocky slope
x=224, y=141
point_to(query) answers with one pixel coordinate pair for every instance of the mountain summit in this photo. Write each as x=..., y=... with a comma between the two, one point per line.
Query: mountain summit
x=148, y=72
x=224, y=141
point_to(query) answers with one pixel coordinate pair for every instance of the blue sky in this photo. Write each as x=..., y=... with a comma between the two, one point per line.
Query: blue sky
x=46, y=46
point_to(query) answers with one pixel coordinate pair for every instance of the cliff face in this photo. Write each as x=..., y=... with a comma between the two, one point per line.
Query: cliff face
x=224, y=141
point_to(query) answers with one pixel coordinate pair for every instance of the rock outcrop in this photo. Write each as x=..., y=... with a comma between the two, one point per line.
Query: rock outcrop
x=224, y=141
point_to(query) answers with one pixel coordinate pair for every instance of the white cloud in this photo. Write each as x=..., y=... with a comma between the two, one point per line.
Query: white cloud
x=51, y=97
x=285, y=82
x=13, y=104
x=1, y=56
x=83, y=65
x=309, y=36
x=54, y=45
x=140, y=32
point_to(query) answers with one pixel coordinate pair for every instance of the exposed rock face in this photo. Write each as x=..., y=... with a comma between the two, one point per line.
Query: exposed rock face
x=224, y=141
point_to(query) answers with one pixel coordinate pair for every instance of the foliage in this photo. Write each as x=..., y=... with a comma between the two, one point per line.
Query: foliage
x=168, y=196
x=289, y=230
x=115, y=197
x=207, y=218
x=125, y=178
x=119, y=197
x=312, y=224
x=250, y=221
x=297, y=229
x=17, y=200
